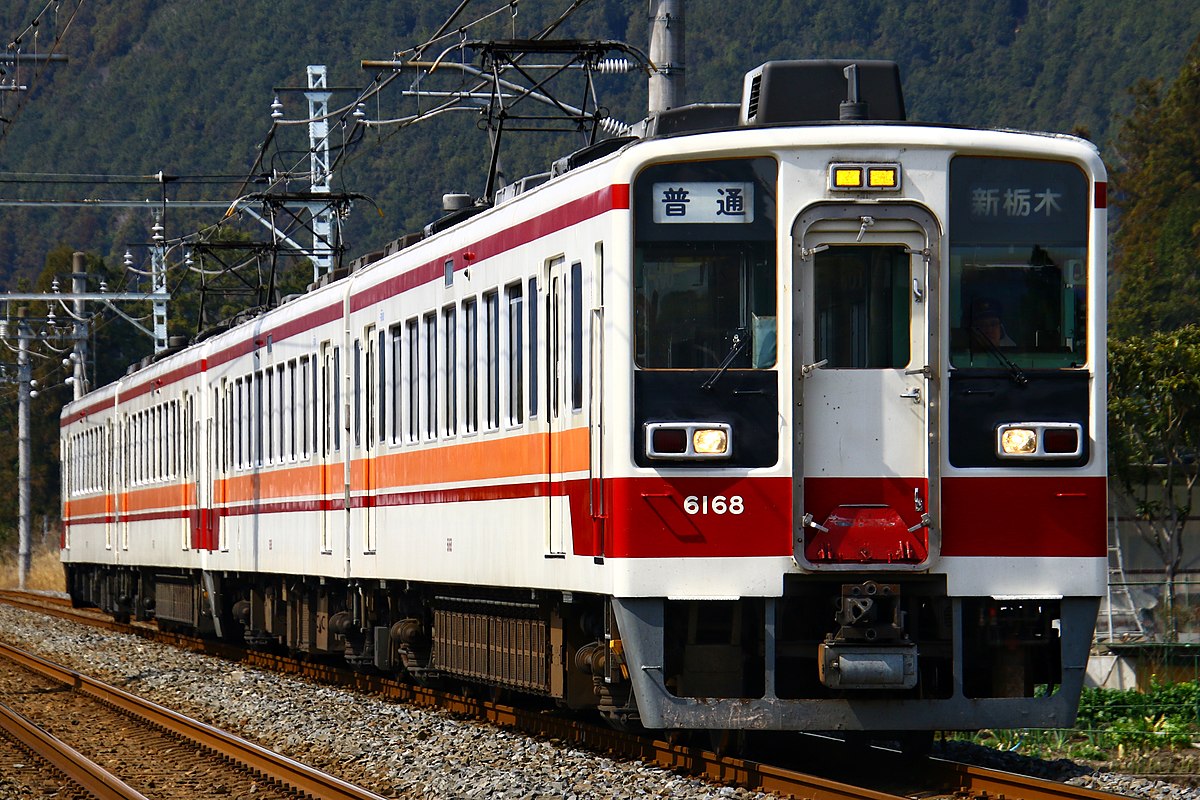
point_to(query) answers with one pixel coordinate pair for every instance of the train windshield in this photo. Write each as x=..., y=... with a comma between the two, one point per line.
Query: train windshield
x=1018, y=263
x=704, y=265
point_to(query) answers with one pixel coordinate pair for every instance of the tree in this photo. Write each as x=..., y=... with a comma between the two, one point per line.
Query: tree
x=1156, y=257
x=1154, y=440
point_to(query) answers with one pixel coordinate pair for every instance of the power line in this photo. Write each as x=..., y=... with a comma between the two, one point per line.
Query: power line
x=16, y=54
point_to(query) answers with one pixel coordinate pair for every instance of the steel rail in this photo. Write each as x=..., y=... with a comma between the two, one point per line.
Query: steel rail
x=981, y=782
x=288, y=772
x=76, y=767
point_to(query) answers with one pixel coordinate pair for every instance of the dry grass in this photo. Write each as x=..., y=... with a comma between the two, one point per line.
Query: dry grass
x=45, y=572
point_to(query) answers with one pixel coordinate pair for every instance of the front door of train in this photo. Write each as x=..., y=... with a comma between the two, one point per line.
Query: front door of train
x=865, y=332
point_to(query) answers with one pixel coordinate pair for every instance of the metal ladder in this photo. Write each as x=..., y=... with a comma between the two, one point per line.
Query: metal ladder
x=1118, y=620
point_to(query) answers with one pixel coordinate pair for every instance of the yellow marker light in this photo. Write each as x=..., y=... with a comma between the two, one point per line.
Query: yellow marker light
x=710, y=441
x=847, y=177
x=882, y=177
x=1018, y=441
x=864, y=177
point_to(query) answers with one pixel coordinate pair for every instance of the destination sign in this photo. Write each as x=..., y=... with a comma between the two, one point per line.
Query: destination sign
x=1017, y=200
x=694, y=202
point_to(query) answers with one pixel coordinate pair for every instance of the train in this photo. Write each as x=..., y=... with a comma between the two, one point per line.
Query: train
x=785, y=414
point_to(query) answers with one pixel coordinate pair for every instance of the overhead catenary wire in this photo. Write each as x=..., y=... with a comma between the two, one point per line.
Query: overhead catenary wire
x=14, y=49
x=347, y=138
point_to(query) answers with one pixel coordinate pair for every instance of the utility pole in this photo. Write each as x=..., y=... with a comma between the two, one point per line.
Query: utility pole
x=24, y=383
x=668, y=87
x=77, y=333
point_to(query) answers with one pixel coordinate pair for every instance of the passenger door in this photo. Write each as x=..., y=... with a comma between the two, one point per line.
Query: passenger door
x=866, y=489
x=329, y=447
x=558, y=402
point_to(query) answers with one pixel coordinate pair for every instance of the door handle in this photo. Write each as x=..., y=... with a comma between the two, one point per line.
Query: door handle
x=809, y=369
x=914, y=394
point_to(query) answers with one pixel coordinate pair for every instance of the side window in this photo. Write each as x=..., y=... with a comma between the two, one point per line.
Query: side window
x=397, y=351
x=491, y=315
x=516, y=351
x=532, y=305
x=379, y=357
x=431, y=377
x=576, y=336
x=471, y=361
x=450, y=368
x=412, y=425
x=285, y=401
x=300, y=389
x=258, y=415
x=324, y=411
x=236, y=419
x=269, y=409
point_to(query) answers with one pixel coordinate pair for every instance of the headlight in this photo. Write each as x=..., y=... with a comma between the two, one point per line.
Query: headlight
x=1018, y=442
x=1039, y=440
x=710, y=441
x=688, y=440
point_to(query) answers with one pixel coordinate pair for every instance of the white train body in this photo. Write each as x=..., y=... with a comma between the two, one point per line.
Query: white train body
x=697, y=416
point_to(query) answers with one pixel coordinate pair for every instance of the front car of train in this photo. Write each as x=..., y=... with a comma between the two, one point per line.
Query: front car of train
x=867, y=482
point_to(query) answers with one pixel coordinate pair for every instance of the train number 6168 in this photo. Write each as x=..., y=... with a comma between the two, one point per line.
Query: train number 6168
x=718, y=504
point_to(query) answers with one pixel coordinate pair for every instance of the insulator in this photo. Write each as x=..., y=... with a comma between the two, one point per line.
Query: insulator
x=359, y=111
x=614, y=66
x=614, y=127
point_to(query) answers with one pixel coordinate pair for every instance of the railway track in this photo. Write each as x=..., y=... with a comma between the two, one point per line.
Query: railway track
x=38, y=764
x=113, y=744
x=905, y=777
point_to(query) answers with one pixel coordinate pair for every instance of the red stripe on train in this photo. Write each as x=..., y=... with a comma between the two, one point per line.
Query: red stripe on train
x=707, y=517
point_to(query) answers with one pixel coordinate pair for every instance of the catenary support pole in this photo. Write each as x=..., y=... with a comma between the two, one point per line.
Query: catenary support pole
x=24, y=380
x=668, y=87
x=80, y=352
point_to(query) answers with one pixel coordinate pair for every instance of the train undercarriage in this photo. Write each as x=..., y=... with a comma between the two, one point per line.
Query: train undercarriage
x=836, y=653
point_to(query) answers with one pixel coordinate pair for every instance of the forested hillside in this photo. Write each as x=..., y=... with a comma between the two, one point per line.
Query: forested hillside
x=184, y=88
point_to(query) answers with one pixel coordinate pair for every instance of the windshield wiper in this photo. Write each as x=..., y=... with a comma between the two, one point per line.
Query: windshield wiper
x=741, y=338
x=1018, y=376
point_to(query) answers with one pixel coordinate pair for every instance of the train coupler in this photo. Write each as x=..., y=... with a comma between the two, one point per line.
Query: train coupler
x=847, y=666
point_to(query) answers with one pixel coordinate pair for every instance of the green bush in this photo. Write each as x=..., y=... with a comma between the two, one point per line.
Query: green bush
x=1166, y=715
